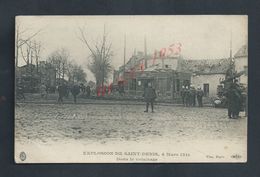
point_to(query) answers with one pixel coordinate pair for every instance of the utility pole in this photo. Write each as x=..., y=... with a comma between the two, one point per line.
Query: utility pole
x=230, y=46
x=124, y=61
x=145, y=53
x=124, y=55
x=231, y=54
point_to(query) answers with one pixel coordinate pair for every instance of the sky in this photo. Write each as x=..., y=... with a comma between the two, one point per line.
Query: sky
x=201, y=36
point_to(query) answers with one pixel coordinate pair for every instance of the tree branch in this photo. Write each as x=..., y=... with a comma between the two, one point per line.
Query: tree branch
x=84, y=40
x=29, y=38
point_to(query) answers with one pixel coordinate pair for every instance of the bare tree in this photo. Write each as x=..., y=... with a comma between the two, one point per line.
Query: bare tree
x=37, y=47
x=26, y=51
x=32, y=52
x=20, y=40
x=78, y=74
x=59, y=60
x=101, y=55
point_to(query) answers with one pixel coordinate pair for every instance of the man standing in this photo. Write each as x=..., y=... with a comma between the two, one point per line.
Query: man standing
x=183, y=95
x=149, y=96
x=75, y=90
x=199, y=96
x=233, y=95
x=62, y=92
x=187, y=96
x=192, y=96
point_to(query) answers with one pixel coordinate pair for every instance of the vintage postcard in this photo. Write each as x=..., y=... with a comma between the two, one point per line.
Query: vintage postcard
x=131, y=89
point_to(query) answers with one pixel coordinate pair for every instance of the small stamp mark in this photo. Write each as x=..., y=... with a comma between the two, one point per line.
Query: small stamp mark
x=22, y=156
x=236, y=156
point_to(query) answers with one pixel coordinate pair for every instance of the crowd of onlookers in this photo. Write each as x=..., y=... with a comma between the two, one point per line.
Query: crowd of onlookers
x=63, y=90
x=235, y=100
x=189, y=95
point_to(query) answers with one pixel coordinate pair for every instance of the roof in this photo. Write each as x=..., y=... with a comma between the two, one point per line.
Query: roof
x=204, y=66
x=152, y=68
x=211, y=66
x=242, y=52
x=158, y=68
x=27, y=65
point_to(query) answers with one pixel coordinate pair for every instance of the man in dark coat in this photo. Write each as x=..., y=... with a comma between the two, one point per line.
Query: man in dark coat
x=233, y=95
x=187, y=96
x=183, y=95
x=149, y=96
x=62, y=92
x=75, y=90
x=199, y=96
x=192, y=96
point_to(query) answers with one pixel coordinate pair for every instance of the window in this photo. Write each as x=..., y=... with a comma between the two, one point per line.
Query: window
x=206, y=89
x=133, y=84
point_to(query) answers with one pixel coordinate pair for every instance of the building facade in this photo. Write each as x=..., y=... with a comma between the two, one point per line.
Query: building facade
x=207, y=74
x=241, y=64
x=162, y=73
x=31, y=76
x=169, y=74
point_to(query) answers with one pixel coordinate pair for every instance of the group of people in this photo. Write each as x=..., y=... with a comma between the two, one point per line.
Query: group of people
x=75, y=89
x=190, y=94
x=64, y=90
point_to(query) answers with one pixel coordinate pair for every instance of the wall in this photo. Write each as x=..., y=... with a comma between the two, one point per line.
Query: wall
x=211, y=79
x=171, y=62
x=243, y=79
x=240, y=64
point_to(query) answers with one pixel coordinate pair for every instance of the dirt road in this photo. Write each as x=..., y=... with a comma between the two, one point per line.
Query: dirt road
x=50, y=124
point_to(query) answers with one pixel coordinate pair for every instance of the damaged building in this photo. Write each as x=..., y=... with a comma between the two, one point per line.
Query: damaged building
x=169, y=74
x=32, y=76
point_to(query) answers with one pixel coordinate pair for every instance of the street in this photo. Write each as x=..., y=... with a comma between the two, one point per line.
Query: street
x=105, y=123
x=60, y=127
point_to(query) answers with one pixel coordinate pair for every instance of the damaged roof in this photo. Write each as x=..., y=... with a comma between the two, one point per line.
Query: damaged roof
x=242, y=52
x=212, y=66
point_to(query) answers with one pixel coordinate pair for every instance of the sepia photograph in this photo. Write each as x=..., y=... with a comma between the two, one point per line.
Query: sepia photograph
x=131, y=89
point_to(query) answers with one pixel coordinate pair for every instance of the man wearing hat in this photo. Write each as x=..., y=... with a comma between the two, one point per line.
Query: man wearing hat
x=233, y=95
x=149, y=96
x=183, y=95
x=199, y=96
x=75, y=90
x=187, y=96
x=192, y=96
